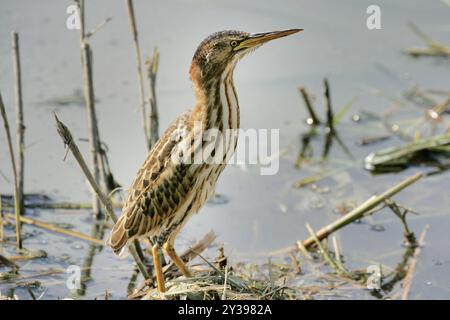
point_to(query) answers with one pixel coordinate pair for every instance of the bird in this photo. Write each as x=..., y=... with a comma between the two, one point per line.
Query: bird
x=174, y=182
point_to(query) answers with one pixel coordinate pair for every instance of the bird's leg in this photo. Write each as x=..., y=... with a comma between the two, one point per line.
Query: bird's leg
x=158, y=268
x=170, y=250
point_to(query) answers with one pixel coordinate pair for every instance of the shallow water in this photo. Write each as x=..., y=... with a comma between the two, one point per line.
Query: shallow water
x=261, y=213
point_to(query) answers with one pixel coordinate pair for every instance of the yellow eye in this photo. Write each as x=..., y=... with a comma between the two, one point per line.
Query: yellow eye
x=233, y=43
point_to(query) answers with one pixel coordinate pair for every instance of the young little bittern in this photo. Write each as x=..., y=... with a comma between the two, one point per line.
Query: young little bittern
x=167, y=192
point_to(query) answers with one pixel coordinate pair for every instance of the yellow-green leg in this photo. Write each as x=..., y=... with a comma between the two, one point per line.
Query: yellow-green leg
x=158, y=268
x=170, y=250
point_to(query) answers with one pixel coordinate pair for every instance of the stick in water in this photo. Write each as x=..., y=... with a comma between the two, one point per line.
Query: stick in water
x=353, y=215
x=13, y=164
x=134, y=33
x=20, y=127
x=68, y=141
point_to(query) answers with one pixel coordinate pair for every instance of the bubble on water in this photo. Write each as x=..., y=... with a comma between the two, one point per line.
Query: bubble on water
x=283, y=208
x=309, y=121
x=77, y=247
x=356, y=118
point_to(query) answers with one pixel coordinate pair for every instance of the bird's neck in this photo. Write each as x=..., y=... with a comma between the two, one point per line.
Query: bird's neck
x=217, y=105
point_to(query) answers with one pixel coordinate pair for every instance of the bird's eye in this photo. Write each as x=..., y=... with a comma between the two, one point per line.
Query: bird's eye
x=233, y=43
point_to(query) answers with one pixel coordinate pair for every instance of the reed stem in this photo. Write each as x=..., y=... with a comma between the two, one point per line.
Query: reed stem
x=358, y=212
x=68, y=141
x=53, y=228
x=134, y=34
x=20, y=127
x=152, y=71
x=13, y=164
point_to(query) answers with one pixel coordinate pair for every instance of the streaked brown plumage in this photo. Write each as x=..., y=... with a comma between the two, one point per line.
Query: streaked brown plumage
x=165, y=193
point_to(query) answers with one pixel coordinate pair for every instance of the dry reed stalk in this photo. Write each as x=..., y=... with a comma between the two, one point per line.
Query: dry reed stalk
x=92, y=121
x=68, y=141
x=19, y=116
x=62, y=205
x=13, y=164
x=152, y=71
x=2, y=230
x=53, y=228
x=134, y=34
x=20, y=127
x=89, y=98
x=357, y=213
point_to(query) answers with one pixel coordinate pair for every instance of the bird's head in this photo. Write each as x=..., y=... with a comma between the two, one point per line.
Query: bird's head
x=223, y=49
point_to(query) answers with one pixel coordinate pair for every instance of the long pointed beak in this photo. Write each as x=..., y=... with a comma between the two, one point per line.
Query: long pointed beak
x=260, y=38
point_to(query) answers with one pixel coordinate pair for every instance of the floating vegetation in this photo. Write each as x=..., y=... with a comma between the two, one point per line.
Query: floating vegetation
x=423, y=151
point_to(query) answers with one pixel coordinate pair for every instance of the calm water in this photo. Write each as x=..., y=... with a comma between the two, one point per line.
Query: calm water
x=262, y=213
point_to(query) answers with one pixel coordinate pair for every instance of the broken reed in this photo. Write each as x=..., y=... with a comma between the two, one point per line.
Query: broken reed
x=364, y=208
x=134, y=34
x=13, y=165
x=358, y=212
x=68, y=141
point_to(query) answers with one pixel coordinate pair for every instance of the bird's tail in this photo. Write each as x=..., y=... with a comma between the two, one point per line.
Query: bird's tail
x=118, y=239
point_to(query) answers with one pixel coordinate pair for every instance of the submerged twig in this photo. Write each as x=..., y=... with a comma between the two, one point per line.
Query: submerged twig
x=336, y=266
x=13, y=164
x=409, y=236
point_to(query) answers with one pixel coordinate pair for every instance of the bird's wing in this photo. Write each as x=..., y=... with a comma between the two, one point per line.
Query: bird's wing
x=158, y=190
